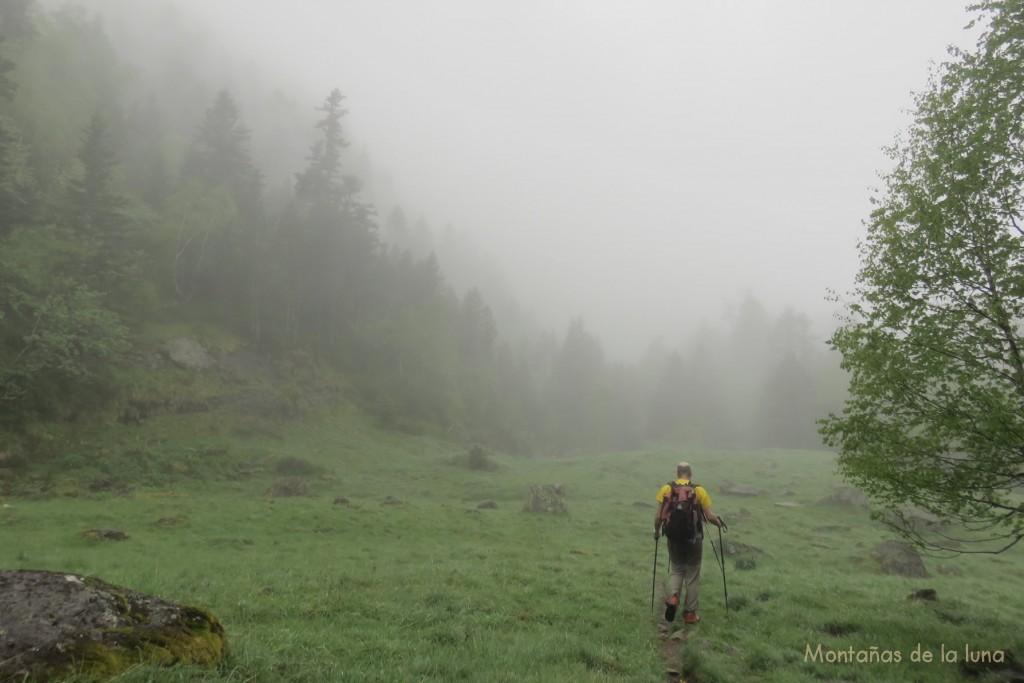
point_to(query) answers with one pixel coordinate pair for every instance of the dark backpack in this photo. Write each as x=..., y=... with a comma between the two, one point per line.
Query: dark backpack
x=680, y=513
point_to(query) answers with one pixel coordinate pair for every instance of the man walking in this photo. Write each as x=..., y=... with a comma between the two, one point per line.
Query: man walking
x=682, y=507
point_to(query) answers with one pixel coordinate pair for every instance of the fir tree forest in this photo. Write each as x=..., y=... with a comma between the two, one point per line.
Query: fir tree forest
x=138, y=191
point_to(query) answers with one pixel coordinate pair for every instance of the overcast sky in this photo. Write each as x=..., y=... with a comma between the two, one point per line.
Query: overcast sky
x=637, y=163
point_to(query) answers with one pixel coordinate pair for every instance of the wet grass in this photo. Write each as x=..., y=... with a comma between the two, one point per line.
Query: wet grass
x=437, y=589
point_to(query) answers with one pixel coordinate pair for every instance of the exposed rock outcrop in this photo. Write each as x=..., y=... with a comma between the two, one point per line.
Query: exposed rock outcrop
x=54, y=624
x=896, y=557
x=546, y=498
x=189, y=354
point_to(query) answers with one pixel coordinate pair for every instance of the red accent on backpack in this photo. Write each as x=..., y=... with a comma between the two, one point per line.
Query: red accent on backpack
x=680, y=513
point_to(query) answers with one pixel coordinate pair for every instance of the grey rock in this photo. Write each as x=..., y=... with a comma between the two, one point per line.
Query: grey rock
x=53, y=624
x=189, y=354
x=546, y=498
x=896, y=557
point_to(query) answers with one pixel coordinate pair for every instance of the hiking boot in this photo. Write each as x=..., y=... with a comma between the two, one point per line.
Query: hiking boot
x=670, y=607
x=690, y=617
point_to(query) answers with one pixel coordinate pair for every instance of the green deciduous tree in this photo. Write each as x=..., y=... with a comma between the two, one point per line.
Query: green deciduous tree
x=197, y=225
x=57, y=334
x=932, y=340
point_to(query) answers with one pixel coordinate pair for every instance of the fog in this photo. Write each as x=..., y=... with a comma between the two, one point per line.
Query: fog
x=641, y=165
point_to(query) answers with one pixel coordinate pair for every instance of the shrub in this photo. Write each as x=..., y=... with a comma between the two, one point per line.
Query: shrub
x=745, y=563
x=475, y=459
x=296, y=467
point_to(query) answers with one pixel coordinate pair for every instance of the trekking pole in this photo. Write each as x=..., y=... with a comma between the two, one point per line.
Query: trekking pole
x=725, y=587
x=721, y=560
x=655, y=572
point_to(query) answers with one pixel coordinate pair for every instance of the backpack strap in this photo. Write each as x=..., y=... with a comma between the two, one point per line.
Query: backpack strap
x=663, y=509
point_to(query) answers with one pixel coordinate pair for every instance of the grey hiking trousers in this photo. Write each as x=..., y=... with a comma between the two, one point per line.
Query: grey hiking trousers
x=685, y=559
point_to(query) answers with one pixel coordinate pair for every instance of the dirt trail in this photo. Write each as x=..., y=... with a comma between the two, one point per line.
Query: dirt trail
x=672, y=643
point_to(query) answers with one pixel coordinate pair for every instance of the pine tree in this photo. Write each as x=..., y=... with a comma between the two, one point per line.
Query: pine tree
x=96, y=215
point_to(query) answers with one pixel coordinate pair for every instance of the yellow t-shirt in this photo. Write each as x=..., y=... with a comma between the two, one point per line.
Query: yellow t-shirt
x=702, y=496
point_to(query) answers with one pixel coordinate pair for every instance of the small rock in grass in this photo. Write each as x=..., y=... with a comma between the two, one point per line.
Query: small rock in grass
x=104, y=534
x=924, y=594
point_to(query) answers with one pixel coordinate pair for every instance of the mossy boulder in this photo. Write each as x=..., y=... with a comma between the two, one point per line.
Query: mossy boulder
x=896, y=557
x=54, y=624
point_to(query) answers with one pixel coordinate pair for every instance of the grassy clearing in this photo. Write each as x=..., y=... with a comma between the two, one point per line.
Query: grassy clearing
x=439, y=590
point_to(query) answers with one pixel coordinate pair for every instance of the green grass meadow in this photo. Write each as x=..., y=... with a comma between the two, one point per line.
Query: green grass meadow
x=439, y=590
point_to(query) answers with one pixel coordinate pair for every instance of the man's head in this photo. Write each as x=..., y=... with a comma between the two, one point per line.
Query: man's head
x=683, y=470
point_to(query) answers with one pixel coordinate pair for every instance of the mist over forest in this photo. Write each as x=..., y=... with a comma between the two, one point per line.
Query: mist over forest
x=154, y=172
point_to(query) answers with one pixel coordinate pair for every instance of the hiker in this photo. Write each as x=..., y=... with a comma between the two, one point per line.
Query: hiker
x=685, y=538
